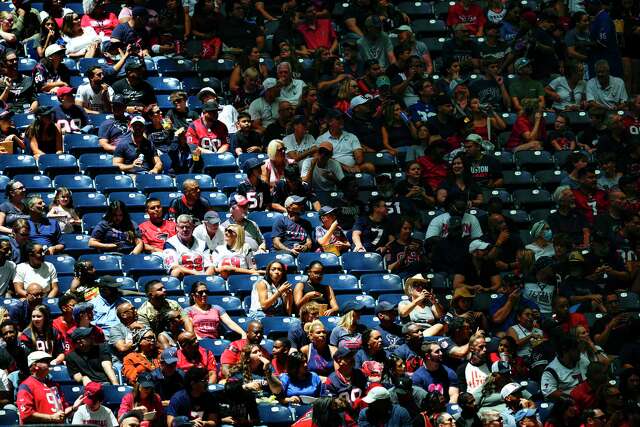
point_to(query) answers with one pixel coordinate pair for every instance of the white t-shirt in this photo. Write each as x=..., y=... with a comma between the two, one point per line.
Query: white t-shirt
x=561, y=87
x=343, y=146
x=224, y=256
x=613, y=94
x=290, y=144
x=540, y=252
x=541, y=294
x=229, y=116
x=90, y=99
x=102, y=417
x=475, y=376
x=568, y=378
x=197, y=257
x=44, y=276
x=261, y=110
x=7, y=274
x=439, y=226
x=292, y=92
x=318, y=181
x=200, y=233
x=4, y=381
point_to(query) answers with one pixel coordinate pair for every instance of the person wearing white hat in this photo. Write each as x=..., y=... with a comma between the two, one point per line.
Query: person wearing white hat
x=381, y=411
x=50, y=73
x=485, y=170
x=134, y=152
x=227, y=114
x=264, y=110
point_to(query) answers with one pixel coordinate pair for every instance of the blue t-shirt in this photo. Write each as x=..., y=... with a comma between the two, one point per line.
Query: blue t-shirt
x=362, y=356
x=46, y=233
x=374, y=234
x=107, y=233
x=129, y=152
x=112, y=129
x=443, y=375
x=351, y=390
x=128, y=35
x=311, y=386
x=182, y=404
x=340, y=337
x=70, y=120
x=391, y=338
x=399, y=417
x=292, y=233
x=497, y=303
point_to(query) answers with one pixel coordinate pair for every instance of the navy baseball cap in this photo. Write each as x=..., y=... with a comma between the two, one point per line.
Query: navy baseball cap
x=343, y=352
x=251, y=164
x=353, y=305
x=383, y=306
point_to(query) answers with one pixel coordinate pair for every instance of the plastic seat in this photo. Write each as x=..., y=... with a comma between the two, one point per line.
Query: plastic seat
x=164, y=101
x=136, y=302
x=384, y=162
x=52, y=305
x=216, y=163
x=34, y=183
x=228, y=182
x=231, y=304
x=358, y=263
x=264, y=220
x=15, y=164
x=367, y=300
x=220, y=68
x=60, y=375
x=126, y=284
x=165, y=197
x=330, y=261
x=22, y=121
x=504, y=157
x=76, y=183
x=142, y=265
x=47, y=100
x=416, y=9
x=215, y=284
x=277, y=326
x=107, y=183
x=365, y=181
x=149, y=183
x=26, y=65
x=62, y=263
x=540, y=214
x=242, y=284
x=629, y=301
x=64, y=284
x=217, y=200
x=550, y=179
x=133, y=200
x=105, y=264
x=481, y=302
x=89, y=202
x=275, y=415
x=312, y=217
x=518, y=217
x=75, y=244
x=174, y=67
x=262, y=260
x=164, y=84
x=113, y=394
x=58, y=164
x=392, y=298
x=517, y=179
x=429, y=28
x=215, y=346
x=96, y=120
x=341, y=283
x=434, y=44
x=94, y=164
x=85, y=63
x=205, y=181
x=376, y=284
x=90, y=220
x=182, y=300
x=534, y=160
x=172, y=285
x=532, y=199
x=246, y=156
x=71, y=392
x=561, y=157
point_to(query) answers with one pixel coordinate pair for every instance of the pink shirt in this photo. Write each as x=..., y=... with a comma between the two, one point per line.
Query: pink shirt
x=206, y=323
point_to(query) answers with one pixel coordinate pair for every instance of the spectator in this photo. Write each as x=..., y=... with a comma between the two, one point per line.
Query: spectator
x=400, y=131
x=380, y=408
x=51, y=73
x=317, y=31
x=112, y=129
x=144, y=356
x=348, y=332
x=121, y=334
x=43, y=135
x=237, y=32
x=191, y=202
x=254, y=188
x=19, y=241
x=457, y=207
x=41, y=334
x=156, y=231
x=273, y=295
x=298, y=381
x=524, y=86
x=604, y=90
x=529, y=132
x=321, y=171
x=192, y=355
x=84, y=283
x=256, y=372
x=206, y=318
x=462, y=49
x=589, y=200
x=459, y=181
x=12, y=142
x=468, y=13
x=246, y=140
x=99, y=18
x=183, y=254
x=231, y=356
x=291, y=233
x=13, y=208
x=168, y=379
x=542, y=236
x=143, y=399
x=319, y=352
x=434, y=372
x=370, y=233
x=92, y=411
x=274, y=167
x=133, y=32
x=134, y=152
x=316, y=290
x=157, y=304
x=234, y=256
x=250, y=59
x=180, y=115
x=89, y=361
x=7, y=268
x=290, y=88
x=80, y=42
x=116, y=232
x=62, y=210
x=372, y=352
x=568, y=92
x=20, y=313
x=171, y=325
x=485, y=170
x=375, y=43
x=473, y=373
x=106, y=303
x=264, y=110
x=423, y=307
x=297, y=335
x=567, y=219
x=208, y=134
x=346, y=380
x=36, y=270
x=564, y=372
x=209, y=231
x=238, y=208
x=43, y=230
x=82, y=317
x=604, y=41
x=17, y=89
x=137, y=92
x=329, y=235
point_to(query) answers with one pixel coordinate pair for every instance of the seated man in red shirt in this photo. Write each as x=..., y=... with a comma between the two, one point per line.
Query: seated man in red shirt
x=231, y=356
x=590, y=200
x=208, y=134
x=468, y=13
x=192, y=355
x=317, y=32
x=156, y=230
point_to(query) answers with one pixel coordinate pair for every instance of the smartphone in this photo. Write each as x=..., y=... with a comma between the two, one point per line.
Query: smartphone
x=149, y=416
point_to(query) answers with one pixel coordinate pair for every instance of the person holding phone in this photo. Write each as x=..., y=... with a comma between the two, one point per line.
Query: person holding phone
x=273, y=295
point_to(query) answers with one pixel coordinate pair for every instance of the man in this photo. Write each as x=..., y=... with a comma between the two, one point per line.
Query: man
x=467, y=13
x=92, y=411
x=291, y=233
x=423, y=109
x=457, y=207
x=433, y=371
x=505, y=243
x=264, y=110
x=25, y=20
x=387, y=314
x=589, y=199
x=237, y=32
x=168, y=378
x=347, y=380
x=238, y=209
x=375, y=44
x=131, y=419
x=411, y=350
x=194, y=402
x=317, y=32
x=321, y=171
x=191, y=203
x=209, y=231
x=346, y=147
x=112, y=129
x=66, y=321
x=82, y=318
x=566, y=371
x=133, y=32
x=89, y=361
x=604, y=45
x=69, y=116
x=20, y=313
x=254, y=188
x=36, y=271
x=299, y=145
x=368, y=82
x=511, y=394
x=208, y=134
x=95, y=96
x=473, y=373
x=137, y=93
x=121, y=334
x=485, y=170
x=363, y=125
x=463, y=49
x=134, y=153
x=524, y=86
x=227, y=113
x=156, y=306
x=43, y=230
x=15, y=348
x=231, y=356
x=381, y=410
x=567, y=219
x=106, y=303
x=181, y=116
x=290, y=88
x=371, y=233
x=156, y=230
x=490, y=88
x=40, y=401
x=605, y=90
x=7, y=268
x=192, y=355
x=282, y=126
x=183, y=253
x=444, y=125
x=503, y=308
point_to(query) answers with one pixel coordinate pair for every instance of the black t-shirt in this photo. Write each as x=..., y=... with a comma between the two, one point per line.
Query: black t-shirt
x=617, y=336
x=448, y=254
x=245, y=141
x=21, y=93
x=485, y=170
x=237, y=33
x=544, y=63
x=572, y=224
x=447, y=129
x=141, y=94
x=474, y=277
x=89, y=364
x=161, y=138
x=275, y=131
x=488, y=92
x=368, y=131
x=179, y=207
x=374, y=234
x=259, y=196
x=182, y=120
x=413, y=258
x=462, y=52
x=358, y=13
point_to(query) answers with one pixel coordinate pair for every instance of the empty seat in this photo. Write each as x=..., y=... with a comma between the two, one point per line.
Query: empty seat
x=534, y=160
x=540, y=214
x=105, y=264
x=15, y=164
x=517, y=179
x=532, y=199
x=60, y=375
x=22, y=121
x=57, y=164
x=126, y=284
x=34, y=183
x=362, y=262
x=205, y=181
x=550, y=179
x=504, y=157
x=136, y=302
x=113, y=394
x=312, y=217
x=94, y=164
x=173, y=67
x=264, y=220
x=381, y=283
x=275, y=415
x=341, y=283
x=429, y=28
x=365, y=181
x=63, y=263
x=232, y=305
x=228, y=182
x=106, y=183
x=330, y=261
x=26, y=65
x=215, y=163
x=89, y=202
x=383, y=161
x=75, y=183
x=242, y=284
x=164, y=84
x=246, y=156
x=85, y=63
x=141, y=265
x=394, y=299
x=71, y=392
x=47, y=100
x=262, y=260
x=215, y=346
x=90, y=220
x=217, y=200
x=278, y=326
x=215, y=284
x=75, y=244
x=149, y=183
x=165, y=197
x=518, y=217
x=133, y=200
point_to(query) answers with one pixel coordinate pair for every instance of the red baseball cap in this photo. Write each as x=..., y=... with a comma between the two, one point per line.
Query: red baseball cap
x=93, y=393
x=64, y=90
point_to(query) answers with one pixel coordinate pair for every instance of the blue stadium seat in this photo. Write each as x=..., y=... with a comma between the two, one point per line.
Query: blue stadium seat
x=149, y=183
x=262, y=260
x=232, y=305
x=62, y=263
x=217, y=200
x=64, y=284
x=331, y=262
x=89, y=202
x=215, y=346
x=113, y=394
x=85, y=63
x=34, y=183
x=180, y=299
x=216, y=163
x=370, y=321
x=367, y=300
x=138, y=217
x=275, y=415
x=76, y=183
x=140, y=265
x=517, y=179
x=383, y=161
x=246, y=156
x=172, y=285
x=518, y=217
x=439, y=281
x=164, y=101
x=135, y=201
x=52, y=305
x=71, y=392
x=416, y=9
x=365, y=181
x=164, y=84
x=228, y=182
x=215, y=284
x=57, y=164
x=94, y=164
x=312, y=217
x=76, y=244
x=26, y=65
x=4, y=180
x=533, y=199
x=165, y=197
x=205, y=181
x=362, y=262
x=504, y=157
x=47, y=100
x=534, y=160
x=96, y=120
x=264, y=219
x=342, y=283
x=382, y=283
x=78, y=144
x=220, y=68
x=393, y=298
x=136, y=302
x=90, y=220
x=174, y=67
x=629, y=301
x=15, y=164
x=60, y=375
x=22, y=121
x=106, y=183
x=242, y=284
x=277, y=326
x=104, y=263
x=127, y=284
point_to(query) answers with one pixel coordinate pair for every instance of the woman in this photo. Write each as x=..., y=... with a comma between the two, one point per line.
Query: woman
x=272, y=296
x=41, y=335
x=461, y=305
x=171, y=324
x=460, y=182
x=116, y=232
x=423, y=307
x=405, y=256
x=13, y=208
x=507, y=351
x=576, y=161
x=348, y=332
x=413, y=188
x=145, y=356
x=319, y=352
x=81, y=42
x=418, y=48
x=249, y=90
x=51, y=73
x=143, y=398
x=329, y=412
x=399, y=135
x=160, y=130
x=102, y=22
x=314, y=290
x=528, y=131
x=331, y=81
x=298, y=381
x=484, y=120
x=206, y=318
x=49, y=34
x=372, y=348
x=273, y=167
x=297, y=334
x=564, y=413
x=568, y=92
x=561, y=137
x=250, y=58
x=7, y=38
x=203, y=26
x=630, y=385
x=16, y=89
x=234, y=256
x=43, y=135
x=629, y=42
x=347, y=89
x=256, y=372
x=587, y=347
x=542, y=245
x=526, y=335
x=311, y=109
x=329, y=235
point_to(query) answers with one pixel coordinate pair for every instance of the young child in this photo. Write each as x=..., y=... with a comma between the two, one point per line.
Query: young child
x=63, y=211
x=610, y=176
x=92, y=411
x=246, y=140
x=561, y=137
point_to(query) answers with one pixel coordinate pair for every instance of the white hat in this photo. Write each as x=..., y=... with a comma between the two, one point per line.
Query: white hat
x=53, y=49
x=474, y=137
x=137, y=119
x=37, y=356
x=477, y=245
x=402, y=28
x=359, y=100
x=206, y=89
x=375, y=394
x=509, y=389
x=269, y=83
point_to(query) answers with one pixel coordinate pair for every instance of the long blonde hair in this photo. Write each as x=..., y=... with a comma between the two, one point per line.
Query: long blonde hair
x=272, y=148
x=238, y=246
x=347, y=321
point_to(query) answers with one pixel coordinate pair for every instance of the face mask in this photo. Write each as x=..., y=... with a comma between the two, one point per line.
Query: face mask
x=547, y=235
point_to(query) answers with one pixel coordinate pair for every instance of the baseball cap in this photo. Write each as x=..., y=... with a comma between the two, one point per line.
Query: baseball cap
x=64, y=90
x=80, y=333
x=383, y=81
x=326, y=210
x=334, y=113
x=474, y=137
x=343, y=353
x=212, y=217
x=251, y=164
x=373, y=370
x=356, y=101
x=509, y=389
x=137, y=119
x=53, y=49
x=134, y=64
x=375, y=394
x=293, y=200
x=206, y=90
x=139, y=11
x=576, y=256
x=238, y=199
x=6, y=114
x=524, y=413
x=402, y=28
x=404, y=386
x=477, y=245
x=501, y=367
x=38, y=356
x=383, y=306
x=326, y=145
x=169, y=355
x=463, y=293
x=93, y=393
x=108, y=282
x=211, y=105
x=521, y=63
x=118, y=99
x=352, y=305
x=145, y=379
x=269, y=83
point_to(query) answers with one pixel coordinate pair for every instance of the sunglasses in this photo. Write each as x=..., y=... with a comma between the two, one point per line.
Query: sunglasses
x=201, y=293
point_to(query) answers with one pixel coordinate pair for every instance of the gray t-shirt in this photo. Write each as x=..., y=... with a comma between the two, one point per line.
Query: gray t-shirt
x=375, y=49
x=117, y=333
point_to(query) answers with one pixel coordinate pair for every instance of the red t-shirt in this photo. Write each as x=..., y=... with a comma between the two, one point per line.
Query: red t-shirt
x=473, y=18
x=155, y=236
x=433, y=174
x=38, y=396
x=584, y=396
x=104, y=26
x=575, y=319
x=206, y=360
x=63, y=327
x=211, y=138
x=591, y=205
x=632, y=124
x=231, y=356
x=521, y=126
x=322, y=35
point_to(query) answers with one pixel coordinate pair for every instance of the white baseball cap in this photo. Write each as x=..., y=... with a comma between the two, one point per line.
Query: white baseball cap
x=509, y=389
x=358, y=100
x=53, y=49
x=375, y=394
x=37, y=356
x=477, y=245
x=137, y=119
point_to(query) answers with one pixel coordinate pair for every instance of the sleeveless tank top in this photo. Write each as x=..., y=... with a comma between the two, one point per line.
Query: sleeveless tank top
x=320, y=363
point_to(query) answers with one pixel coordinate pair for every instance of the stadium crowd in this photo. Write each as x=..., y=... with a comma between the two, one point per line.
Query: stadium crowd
x=320, y=214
